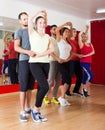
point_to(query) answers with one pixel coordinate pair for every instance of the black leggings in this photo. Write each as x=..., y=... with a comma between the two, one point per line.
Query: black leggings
x=65, y=72
x=40, y=73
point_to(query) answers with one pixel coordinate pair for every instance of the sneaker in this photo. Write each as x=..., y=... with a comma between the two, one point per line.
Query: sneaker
x=46, y=100
x=42, y=118
x=78, y=94
x=68, y=94
x=28, y=112
x=85, y=93
x=35, y=116
x=5, y=82
x=63, y=102
x=67, y=103
x=23, y=117
x=55, y=100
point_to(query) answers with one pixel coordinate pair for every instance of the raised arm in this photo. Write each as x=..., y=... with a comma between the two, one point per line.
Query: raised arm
x=7, y=34
x=80, y=35
x=86, y=29
x=58, y=37
x=31, y=18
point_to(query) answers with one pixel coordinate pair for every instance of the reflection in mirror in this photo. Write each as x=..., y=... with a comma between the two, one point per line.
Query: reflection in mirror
x=7, y=27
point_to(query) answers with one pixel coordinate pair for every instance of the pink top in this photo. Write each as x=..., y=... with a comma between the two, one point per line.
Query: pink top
x=75, y=48
x=86, y=50
x=13, y=54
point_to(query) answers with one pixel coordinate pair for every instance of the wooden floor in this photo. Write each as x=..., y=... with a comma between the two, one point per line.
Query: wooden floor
x=84, y=114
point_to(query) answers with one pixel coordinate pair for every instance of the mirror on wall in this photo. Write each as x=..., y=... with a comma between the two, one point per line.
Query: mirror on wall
x=7, y=25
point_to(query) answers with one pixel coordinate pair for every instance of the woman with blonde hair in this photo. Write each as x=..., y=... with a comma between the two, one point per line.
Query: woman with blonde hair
x=87, y=50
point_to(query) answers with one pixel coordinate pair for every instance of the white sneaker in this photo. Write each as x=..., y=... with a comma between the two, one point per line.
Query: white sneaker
x=63, y=102
x=68, y=104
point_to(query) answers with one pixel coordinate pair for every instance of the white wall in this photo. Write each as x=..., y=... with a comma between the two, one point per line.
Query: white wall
x=11, y=9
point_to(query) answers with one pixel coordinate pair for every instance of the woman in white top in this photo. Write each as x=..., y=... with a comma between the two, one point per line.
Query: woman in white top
x=39, y=64
x=65, y=53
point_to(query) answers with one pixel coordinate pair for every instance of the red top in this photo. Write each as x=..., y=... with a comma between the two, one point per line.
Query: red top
x=86, y=50
x=75, y=48
x=5, y=57
x=13, y=54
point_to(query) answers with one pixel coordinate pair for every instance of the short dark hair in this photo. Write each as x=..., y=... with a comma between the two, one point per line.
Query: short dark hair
x=19, y=16
x=53, y=26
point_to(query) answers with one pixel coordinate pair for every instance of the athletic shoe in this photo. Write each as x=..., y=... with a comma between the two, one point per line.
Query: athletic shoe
x=85, y=93
x=68, y=104
x=35, y=116
x=5, y=82
x=28, y=112
x=63, y=102
x=42, y=118
x=46, y=100
x=68, y=94
x=55, y=100
x=78, y=94
x=23, y=117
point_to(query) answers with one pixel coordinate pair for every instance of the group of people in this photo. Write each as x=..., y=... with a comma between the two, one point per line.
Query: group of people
x=50, y=59
x=10, y=60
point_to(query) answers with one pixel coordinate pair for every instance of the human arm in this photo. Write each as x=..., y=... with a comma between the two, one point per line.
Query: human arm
x=6, y=53
x=58, y=37
x=49, y=50
x=57, y=58
x=81, y=34
x=69, y=58
x=86, y=29
x=85, y=55
x=7, y=34
x=19, y=49
x=31, y=18
x=91, y=53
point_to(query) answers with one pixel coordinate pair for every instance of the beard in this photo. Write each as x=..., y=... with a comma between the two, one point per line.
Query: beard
x=25, y=25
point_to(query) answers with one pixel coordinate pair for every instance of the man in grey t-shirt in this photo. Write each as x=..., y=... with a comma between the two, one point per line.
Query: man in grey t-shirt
x=22, y=46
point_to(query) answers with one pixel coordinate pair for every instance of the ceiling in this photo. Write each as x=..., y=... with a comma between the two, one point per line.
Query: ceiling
x=82, y=8
x=9, y=24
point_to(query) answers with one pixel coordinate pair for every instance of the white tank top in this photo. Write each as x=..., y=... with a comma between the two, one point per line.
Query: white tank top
x=64, y=49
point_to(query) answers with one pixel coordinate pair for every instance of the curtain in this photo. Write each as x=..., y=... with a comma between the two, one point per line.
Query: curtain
x=98, y=41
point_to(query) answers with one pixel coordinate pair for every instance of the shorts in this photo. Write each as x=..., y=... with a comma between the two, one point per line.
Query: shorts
x=26, y=78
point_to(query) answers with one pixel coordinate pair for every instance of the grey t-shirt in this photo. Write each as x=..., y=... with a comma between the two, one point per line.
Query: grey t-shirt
x=22, y=35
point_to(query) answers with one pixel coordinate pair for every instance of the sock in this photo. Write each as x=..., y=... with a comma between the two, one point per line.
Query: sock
x=27, y=109
x=22, y=112
x=85, y=90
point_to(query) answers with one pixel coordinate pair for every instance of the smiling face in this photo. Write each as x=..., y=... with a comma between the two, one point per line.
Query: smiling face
x=53, y=30
x=40, y=23
x=24, y=20
x=74, y=33
x=84, y=37
x=65, y=33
